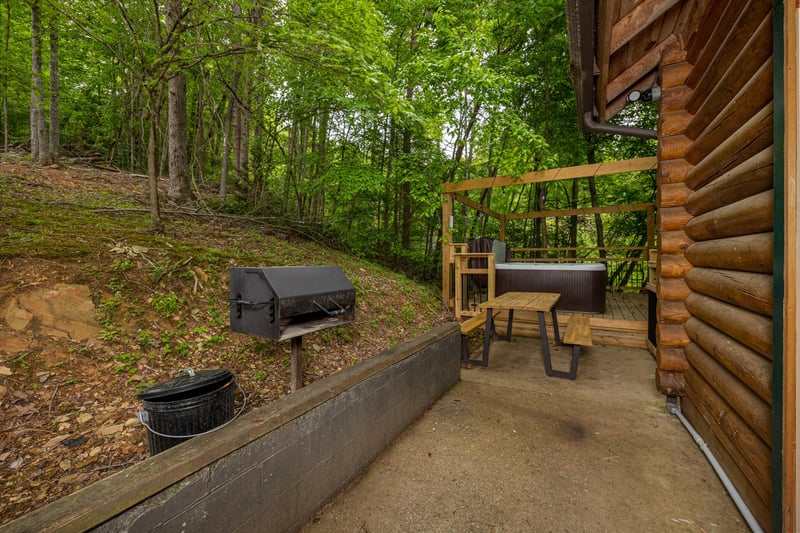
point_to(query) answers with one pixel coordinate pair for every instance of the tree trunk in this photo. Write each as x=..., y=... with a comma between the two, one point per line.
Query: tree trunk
x=55, y=133
x=4, y=87
x=598, y=219
x=179, y=190
x=39, y=151
x=573, y=221
x=226, y=143
x=152, y=159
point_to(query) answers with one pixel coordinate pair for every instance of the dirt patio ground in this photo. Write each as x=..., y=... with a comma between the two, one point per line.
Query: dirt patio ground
x=509, y=449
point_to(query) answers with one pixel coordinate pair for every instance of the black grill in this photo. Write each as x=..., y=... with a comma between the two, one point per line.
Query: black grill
x=285, y=302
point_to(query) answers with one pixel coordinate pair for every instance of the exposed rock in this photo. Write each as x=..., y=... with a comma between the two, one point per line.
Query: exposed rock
x=61, y=311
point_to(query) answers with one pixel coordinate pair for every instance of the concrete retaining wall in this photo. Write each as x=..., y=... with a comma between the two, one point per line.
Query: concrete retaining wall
x=272, y=469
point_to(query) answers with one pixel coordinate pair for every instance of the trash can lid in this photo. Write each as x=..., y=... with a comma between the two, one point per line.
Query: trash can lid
x=186, y=381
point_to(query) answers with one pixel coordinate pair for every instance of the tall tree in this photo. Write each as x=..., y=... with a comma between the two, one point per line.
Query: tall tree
x=55, y=95
x=39, y=150
x=179, y=190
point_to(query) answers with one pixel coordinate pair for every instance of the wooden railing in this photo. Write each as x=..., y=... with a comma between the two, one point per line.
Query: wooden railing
x=466, y=298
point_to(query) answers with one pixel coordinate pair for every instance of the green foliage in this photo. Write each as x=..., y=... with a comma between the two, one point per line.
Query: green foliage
x=357, y=112
x=167, y=304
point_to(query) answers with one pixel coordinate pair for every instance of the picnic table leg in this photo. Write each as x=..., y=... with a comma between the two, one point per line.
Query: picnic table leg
x=555, y=328
x=487, y=338
x=548, y=366
x=507, y=336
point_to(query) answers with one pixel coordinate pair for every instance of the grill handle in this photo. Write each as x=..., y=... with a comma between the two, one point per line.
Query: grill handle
x=335, y=312
x=255, y=305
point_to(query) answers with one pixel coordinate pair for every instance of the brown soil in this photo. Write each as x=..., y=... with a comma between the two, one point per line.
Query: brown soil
x=68, y=399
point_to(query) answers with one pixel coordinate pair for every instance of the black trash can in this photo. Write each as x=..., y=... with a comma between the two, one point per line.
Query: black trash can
x=186, y=406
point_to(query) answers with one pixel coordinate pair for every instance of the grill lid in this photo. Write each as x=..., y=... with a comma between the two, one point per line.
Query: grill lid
x=300, y=281
x=187, y=381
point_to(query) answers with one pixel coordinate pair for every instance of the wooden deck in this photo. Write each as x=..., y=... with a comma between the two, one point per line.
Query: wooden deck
x=625, y=306
x=623, y=324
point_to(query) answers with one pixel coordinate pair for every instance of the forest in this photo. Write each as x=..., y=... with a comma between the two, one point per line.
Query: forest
x=338, y=119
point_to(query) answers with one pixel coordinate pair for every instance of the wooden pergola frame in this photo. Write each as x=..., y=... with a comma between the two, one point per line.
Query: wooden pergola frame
x=454, y=192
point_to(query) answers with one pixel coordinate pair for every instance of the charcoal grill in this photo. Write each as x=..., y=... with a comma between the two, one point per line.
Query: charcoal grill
x=287, y=302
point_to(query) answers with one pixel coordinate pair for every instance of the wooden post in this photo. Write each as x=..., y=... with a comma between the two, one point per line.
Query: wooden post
x=651, y=226
x=447, y=213
x=791, y=277
x=297, y=363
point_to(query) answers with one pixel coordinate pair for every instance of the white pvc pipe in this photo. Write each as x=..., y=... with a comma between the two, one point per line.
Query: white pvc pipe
x=675, y=409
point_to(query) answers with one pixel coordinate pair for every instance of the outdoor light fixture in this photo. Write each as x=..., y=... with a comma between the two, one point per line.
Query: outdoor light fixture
x=648, y=95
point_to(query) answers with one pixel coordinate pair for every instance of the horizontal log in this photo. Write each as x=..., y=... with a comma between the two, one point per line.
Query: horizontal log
x=753, y=410
x=671, y=312
x=676, y=53
x=751, y=329
x=673, y=147
x=750, y=215
x=744, y=456
x=749, y=47
x=723, y=32
x=673, y=265
x=672, y=289
x=749, y=290
x=704, y=30
x=672, y=195
x=673, y=218
x=675, y=99
x=750, y=178
x=749, y=253
x=675, y=75
x=673, y=242
x=673, y=171
x=708, y=105
x=671, y=335
x=756, y=94
x=747, y=141
x=673, y=123
x=748, y=366
x=671, y=359
x=670, y=383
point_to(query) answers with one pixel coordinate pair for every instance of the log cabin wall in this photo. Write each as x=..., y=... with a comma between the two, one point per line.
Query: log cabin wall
x=715, y=268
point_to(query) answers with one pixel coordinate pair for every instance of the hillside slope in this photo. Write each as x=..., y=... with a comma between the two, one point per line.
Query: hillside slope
x=93, y=309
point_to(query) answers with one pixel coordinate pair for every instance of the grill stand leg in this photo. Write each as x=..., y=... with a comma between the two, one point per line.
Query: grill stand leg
x=297, y=363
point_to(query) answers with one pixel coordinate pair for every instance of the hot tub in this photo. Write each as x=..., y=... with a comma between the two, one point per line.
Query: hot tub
x=582, y=285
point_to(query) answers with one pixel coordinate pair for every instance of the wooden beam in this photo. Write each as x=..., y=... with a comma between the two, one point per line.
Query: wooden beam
x=447, y=213
x=737, y=395
x=637, y=20
x=750, y=215
x=748, y=290
x=555, y=174
x=753, y=137
x=749, y=328
x=791, y=276
x=469, y=202
x=746, y=364
x=604, y=27
x=638, y=70
x=748, y=253
x=750, y=178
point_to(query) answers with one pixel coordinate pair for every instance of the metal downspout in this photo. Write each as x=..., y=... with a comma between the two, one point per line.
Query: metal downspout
x=591, y=125
x=675, y=409
x=580, y=22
